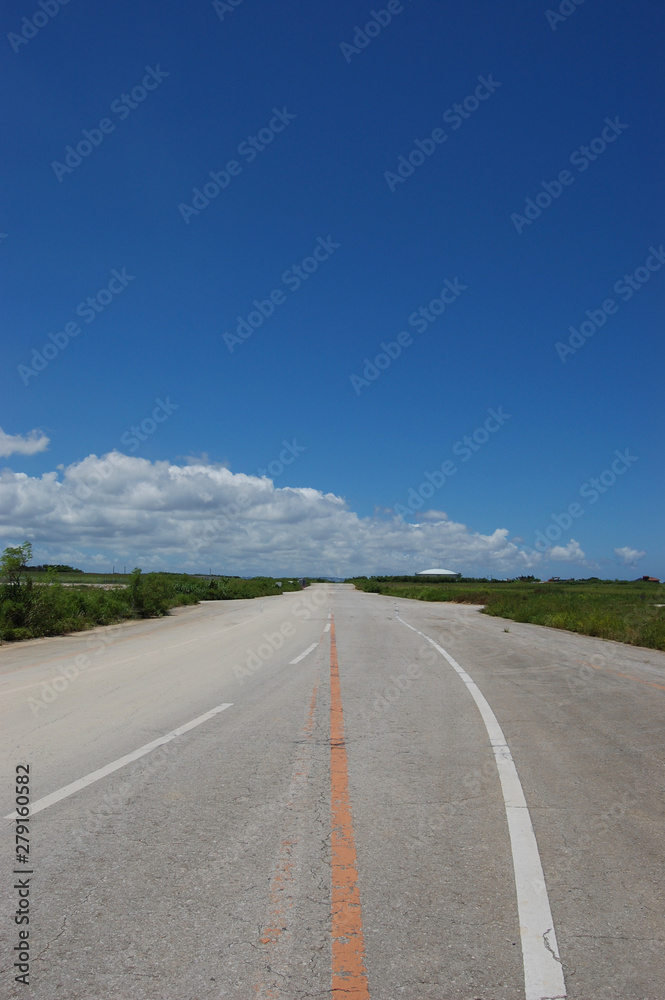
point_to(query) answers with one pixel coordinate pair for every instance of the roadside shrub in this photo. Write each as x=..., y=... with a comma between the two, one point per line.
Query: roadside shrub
x=12, y=613
x=29, y=610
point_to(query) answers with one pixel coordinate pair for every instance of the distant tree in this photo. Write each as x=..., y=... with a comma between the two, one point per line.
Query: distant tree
x=13, y=564
x=58, y=567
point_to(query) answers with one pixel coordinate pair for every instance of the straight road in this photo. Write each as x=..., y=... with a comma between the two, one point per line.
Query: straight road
x=334, y=794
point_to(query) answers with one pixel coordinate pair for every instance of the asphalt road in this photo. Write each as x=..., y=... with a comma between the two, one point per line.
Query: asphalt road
x=382, y=817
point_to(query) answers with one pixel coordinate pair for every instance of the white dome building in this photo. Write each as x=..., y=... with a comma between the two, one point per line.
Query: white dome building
x=439, y=572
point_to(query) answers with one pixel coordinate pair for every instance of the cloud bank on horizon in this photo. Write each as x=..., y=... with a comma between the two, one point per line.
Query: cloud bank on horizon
x=198, y=515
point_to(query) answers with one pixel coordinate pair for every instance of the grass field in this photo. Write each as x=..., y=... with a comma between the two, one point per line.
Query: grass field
x=621, y=610
x=56, y=603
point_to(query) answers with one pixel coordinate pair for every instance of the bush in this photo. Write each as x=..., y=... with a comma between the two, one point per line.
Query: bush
x=149, y=595
x=28, y=611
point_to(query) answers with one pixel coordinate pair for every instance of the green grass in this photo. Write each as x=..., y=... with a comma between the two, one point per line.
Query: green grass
x=42, y=606
x=621, y=610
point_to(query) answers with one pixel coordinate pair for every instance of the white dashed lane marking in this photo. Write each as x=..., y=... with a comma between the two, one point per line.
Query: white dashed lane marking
x=303, y=655
x=102, y=772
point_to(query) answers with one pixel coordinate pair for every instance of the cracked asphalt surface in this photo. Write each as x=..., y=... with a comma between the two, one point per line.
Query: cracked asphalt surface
x=203, y=869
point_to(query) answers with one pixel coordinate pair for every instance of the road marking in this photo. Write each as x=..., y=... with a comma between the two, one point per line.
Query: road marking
x=543, y=973
x=102, y=772
x=277, y=935
x=303, y=655
x=616, y=673
x=327, y=627
x=349, y=978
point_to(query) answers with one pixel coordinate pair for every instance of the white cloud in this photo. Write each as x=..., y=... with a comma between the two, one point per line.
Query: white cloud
x=197, y=515
x=566, y=553
x=22, y=444
x=628, y=555
x=434, y=515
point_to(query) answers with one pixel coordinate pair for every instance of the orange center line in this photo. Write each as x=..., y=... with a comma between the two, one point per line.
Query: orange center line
x=349, y=977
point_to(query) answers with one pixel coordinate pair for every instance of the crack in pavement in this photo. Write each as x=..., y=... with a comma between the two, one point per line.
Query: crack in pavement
x=62, y=931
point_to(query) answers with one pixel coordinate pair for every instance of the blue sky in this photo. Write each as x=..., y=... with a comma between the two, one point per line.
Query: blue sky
x=562, y=108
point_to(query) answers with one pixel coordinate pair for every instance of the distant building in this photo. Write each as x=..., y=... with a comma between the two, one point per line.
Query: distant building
x=448, y=573
x=651, y=579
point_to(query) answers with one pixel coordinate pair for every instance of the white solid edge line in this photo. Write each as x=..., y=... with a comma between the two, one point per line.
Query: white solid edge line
x=303, y=655
x=543, y=973
x=89, y=779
